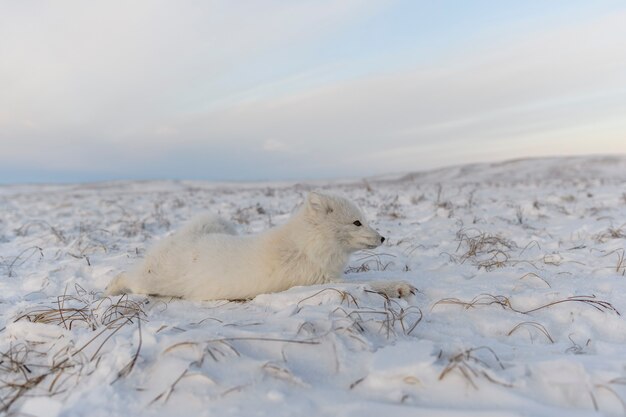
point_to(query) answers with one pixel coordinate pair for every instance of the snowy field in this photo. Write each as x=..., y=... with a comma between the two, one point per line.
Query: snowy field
x=520, y=268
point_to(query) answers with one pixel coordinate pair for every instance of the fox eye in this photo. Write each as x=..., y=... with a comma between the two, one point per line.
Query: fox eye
x=357, y=223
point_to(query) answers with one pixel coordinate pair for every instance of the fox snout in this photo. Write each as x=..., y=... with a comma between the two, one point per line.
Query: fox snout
x=375, y=241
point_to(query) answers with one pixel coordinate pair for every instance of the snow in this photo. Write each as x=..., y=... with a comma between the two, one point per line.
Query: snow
x=41, y=407
x=520, y=269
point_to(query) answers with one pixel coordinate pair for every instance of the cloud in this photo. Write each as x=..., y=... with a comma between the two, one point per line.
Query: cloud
x=117, y=66
x=273, y=145
x=557, y=82
x=159, y=89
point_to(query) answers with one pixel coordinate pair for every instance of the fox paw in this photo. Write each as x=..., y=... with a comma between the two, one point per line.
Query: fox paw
x=396, y=289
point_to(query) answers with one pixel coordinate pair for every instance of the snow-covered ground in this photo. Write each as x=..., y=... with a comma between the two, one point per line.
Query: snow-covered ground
x=520, y=268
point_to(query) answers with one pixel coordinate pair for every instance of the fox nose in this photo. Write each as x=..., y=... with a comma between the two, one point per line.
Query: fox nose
x=382, y=239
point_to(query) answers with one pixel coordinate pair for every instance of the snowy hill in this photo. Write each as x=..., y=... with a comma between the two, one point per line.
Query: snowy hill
x=520, y=265
x=518, y=170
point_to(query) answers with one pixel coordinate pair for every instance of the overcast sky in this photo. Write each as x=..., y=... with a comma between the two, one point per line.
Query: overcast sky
x=267, y=90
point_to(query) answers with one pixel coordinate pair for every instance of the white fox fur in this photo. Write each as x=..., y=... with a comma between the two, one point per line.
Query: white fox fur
x=206, y=260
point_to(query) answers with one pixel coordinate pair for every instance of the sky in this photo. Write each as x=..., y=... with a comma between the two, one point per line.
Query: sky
x=313, y=89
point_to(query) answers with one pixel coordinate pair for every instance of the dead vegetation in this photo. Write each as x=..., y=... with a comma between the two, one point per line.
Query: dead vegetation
x=519, y=215
x=90, y=240
x=356, y=318
x=23, y=368
x=532, y=325
x=38, y=226
x=391, y=208
x=388, y=320
x=352, y=319
x=370, y=261
x=219, y=349
x=611, y=233
x=20, y=259
x=485, y=251
x=84, y=309
x=245, y=215
x=620, y=266
x=52, y=368
x=28, y=369
x=505, y=303
x=132, y=225
x=471, y=366
x=344, y=297
x=534, y=275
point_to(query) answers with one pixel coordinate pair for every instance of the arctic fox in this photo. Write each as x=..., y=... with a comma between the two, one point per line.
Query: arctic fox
x=206, y=260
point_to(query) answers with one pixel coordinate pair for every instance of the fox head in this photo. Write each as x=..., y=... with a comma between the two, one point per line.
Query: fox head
x=339, y=220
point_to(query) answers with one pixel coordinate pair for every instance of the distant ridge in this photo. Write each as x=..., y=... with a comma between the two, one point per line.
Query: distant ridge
x=603, y=167
x=607, y=167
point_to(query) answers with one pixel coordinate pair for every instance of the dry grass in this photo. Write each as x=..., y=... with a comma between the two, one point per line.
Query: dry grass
x=84, y=309
x=620, y=266
x=24, y=368
x=282, y=373
x=471, y=367
x=519, y=215
x=20, y=259
x=211, y=348
x=355, y=318
x=28, y=367
x=391, y=208
x=387, y=320
x=25, y=230
x=505, y=303
x=534, y=325
x=217, y=349
x=351, y=319
x=87, y=243
x=344, y=297
x=576, y=348
x=611, y=233
x=226, y=341
x=486, y=251
x=533, y=275
x=371, y=261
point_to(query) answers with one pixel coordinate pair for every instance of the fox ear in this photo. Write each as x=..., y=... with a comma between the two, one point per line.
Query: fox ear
x=319, y=202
